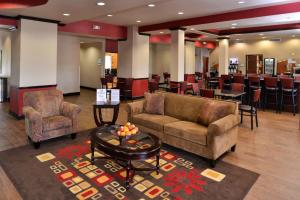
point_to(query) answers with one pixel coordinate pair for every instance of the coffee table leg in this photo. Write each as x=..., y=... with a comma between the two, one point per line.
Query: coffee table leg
x=157, y=164
x=128, y=168
x=93, y=152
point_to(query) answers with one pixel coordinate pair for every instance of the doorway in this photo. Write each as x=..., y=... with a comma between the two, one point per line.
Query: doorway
x=254, y=64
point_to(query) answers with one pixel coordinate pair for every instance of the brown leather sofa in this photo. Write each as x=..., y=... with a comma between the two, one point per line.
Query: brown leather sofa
x=48, y=116
x=178, y=126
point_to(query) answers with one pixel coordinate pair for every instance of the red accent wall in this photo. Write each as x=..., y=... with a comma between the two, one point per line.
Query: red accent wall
x=16, y=98
x=139, y=87
x=208, y=45
x=111, y=46
x=85, y=27
x=164, y=39
x=7, y=21
x=11, y=4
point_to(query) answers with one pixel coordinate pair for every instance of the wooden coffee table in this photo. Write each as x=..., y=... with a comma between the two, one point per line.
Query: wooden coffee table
x=139, y=147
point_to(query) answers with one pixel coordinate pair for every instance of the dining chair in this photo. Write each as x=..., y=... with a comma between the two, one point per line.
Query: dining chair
x=251, y=110
x=103, y=83
x=183, y=87
x=253, y=84
x=239, y=78
x=153, y=86
x=226, y=81
x=208, y=93
x=156, y=77
x=195, y=87
x=271, y=88
x=288, y=90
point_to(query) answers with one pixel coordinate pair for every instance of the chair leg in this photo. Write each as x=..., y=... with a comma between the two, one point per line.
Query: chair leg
x=251, y=121
x=233, y=148
x=212, y=163
x=73, y=136
x=241, y=116
x=276, y=101
x=265, y=100
x=281, y=103
x=36, y=145
x=256, y=119
x=294, y=106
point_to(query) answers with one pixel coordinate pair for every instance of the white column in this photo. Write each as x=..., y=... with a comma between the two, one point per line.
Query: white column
x=190, y=57
x=177, y=55
x=223, y=56
x=134, y=55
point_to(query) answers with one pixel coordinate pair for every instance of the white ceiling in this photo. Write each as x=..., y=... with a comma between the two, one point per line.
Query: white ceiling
x=127, y=12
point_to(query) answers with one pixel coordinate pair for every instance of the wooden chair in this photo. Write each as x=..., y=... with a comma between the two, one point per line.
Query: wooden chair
x=288, y=90
x=153, y=86
x=195, y=87
x=156, y=77
x=251, y=110
x=271, y=87
x=226, y=81
x=103, y=83
x=208, y=93
x=238, y=87
x=183, y=87
x=239, y=79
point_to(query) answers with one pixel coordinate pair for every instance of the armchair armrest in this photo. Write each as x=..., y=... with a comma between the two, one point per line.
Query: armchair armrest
x=69, y=110
x=222, y=125
x=33, y=123
x=135, y=108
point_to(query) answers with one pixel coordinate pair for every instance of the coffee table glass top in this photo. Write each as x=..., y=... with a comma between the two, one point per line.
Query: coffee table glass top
x=139, y=142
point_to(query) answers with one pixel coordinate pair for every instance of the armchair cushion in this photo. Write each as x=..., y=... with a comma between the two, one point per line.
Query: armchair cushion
x=69, y=110
x=223, y=125
x=55, y=123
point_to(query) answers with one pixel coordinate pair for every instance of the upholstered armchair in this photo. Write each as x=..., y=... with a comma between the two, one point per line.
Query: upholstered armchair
x=48, y=116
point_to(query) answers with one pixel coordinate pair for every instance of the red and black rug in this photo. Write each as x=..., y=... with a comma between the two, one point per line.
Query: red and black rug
x=61, y=169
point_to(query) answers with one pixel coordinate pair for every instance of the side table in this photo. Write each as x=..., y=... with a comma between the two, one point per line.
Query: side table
x=99, y=105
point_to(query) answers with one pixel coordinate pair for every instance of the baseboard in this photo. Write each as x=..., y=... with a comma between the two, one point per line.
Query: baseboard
x=88, y=88
x=136, y=98
x=16, y=116
x=72, y=94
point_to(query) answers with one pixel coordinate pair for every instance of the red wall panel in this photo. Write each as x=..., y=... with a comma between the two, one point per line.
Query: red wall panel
x=139, y=87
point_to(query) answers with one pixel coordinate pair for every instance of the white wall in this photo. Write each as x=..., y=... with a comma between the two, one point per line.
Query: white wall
x=190, y=58
x=287, y=48
x=38, y=53
x=5, y=46
x=200, y=53
x=68, y=63
x=90, y=71
x=161, y=59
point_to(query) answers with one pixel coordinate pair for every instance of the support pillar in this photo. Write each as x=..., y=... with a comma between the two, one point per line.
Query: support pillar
x=190, y=61
x=177, y=55
x=223, y=56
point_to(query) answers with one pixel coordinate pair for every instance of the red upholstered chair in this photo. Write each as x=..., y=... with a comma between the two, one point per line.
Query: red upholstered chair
x=195, y=87
x=166, y=77
x=153, y=86
x=201, y=84
x=208, y=93
x=251, y=110
x=297, y=77
x=183, y=87
x=288, y=90
x=271, y=87
x=239, y=78
x=156, y=77
x=226, y=81
x=238, y=87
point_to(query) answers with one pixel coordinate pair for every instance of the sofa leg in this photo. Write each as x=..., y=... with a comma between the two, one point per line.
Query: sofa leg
x=36, y=145
x=233, y=148
x=73, y=136
x=212, y=163
x=29, y=139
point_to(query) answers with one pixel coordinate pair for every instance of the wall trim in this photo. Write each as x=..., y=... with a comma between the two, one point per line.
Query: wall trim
x=16, y=116
x=40, y=86
x=71, y=94
x=88, y=88
x=37, y=19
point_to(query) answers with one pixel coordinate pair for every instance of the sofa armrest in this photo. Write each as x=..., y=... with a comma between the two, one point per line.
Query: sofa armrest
x=222, y=125
x=135, y=108
x=71, y=111
x=33, y=123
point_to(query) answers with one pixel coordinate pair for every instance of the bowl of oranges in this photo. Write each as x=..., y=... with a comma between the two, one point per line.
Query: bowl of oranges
x=126, y=131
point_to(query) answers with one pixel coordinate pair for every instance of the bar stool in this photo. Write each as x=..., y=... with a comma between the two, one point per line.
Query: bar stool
x=271, y=87
x=239, y=79
x=208, y=93
x=288, y=90
x=238, y=87
x=251, y=110
x=253, y=84
x=226, y=81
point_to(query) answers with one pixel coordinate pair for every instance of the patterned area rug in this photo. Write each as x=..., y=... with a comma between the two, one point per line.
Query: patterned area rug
x=61, y=169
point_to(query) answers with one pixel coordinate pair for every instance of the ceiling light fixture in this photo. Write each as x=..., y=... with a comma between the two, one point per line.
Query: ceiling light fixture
x=151, y=5
x=192, y=29
x=233, y=27
x=261, y=34
x=66, y=14
x=204, y=42
x=293, y=35
x=234, y=24
x=180, y=13
x=101, y=4
x=109, y=15
x=263, y=37
x=161, y=32
x=238, y=39
x=241, y=2
x=138, y=21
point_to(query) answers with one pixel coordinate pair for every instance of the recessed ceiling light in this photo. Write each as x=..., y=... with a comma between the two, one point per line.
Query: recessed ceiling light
x=293, y=35
x=161, y=32
x=234, y=24
x=241, y=2
x=261, y=34
x=192, y=29
x=66, y=14
x=263, y=37
x=233, y=27
x=101, y=4
x=138, y=21
x=237, y=39
x=180, y=13
x=204, y=43
x=109, y=15
x=151, y=5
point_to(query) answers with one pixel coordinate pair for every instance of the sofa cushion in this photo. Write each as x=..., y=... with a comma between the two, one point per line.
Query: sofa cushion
x=213, y=111
x=154, y=103
x=56, y=122
x=152, y=121
x=189, y=131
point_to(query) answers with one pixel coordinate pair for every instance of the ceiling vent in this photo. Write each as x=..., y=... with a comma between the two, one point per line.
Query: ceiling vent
x=275, y=40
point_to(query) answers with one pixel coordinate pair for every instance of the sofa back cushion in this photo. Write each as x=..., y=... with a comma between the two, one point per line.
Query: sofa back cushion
x=46, y=102
x=188, y=108
x=213, y=111
x=154, y=103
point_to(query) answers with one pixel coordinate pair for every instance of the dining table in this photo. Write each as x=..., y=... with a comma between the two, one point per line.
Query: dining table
x=229, y=94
